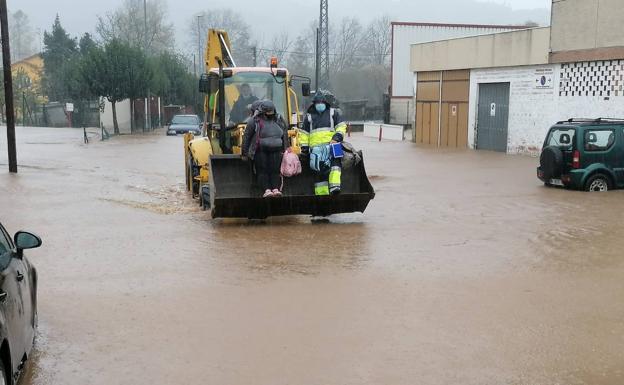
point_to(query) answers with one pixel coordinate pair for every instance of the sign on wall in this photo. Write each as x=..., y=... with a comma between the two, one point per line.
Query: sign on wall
x=544, y=79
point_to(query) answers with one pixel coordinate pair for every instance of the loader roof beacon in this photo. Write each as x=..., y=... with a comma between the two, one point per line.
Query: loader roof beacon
x=215, y=172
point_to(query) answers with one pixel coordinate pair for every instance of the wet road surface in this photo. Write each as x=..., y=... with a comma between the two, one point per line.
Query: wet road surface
x=464, y=269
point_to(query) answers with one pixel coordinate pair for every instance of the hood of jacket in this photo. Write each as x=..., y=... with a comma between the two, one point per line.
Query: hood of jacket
x=312, y=110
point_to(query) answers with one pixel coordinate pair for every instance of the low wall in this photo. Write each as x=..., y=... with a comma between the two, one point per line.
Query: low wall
x=385, y=131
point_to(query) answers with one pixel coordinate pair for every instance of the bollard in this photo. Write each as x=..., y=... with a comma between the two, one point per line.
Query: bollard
x=84, y=133
x=105, y=134
x=380, y=131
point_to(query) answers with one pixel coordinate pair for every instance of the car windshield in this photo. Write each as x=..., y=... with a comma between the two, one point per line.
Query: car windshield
x=190, y=120
x=244, y=88
x=561, y=137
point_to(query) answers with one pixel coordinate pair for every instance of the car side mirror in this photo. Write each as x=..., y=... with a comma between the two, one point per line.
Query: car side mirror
x=305, y=89
x=24, y=240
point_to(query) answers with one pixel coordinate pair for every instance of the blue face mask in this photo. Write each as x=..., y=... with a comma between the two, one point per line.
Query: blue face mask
x=320, y=107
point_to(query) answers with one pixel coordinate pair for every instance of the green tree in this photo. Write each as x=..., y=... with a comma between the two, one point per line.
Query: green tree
x=117, y=72
x=60, y=54
x=86, y=44
x=172, y=81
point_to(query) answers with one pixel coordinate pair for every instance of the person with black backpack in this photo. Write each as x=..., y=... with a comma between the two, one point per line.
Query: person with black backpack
x=264, y=142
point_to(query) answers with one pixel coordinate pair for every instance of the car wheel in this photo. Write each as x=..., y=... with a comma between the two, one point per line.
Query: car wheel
x=598, y=183
x=3, y=377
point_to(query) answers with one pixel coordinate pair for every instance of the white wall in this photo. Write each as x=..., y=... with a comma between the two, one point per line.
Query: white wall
x=533, y=109
x=387, y=131
x=123, y=116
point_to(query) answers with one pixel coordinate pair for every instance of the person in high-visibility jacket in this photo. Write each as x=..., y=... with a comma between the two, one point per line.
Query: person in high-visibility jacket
x=321, y=126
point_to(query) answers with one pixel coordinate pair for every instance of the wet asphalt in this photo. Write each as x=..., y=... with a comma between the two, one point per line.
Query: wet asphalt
x=464, y=270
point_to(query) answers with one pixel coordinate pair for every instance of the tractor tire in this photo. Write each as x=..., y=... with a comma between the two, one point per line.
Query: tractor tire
x=205, y=197
x=187, y=172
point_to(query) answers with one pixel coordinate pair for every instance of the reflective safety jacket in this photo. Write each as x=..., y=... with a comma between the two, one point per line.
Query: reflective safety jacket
x=319, y=129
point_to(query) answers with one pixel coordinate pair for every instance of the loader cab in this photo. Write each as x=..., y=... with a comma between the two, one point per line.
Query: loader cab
x=241, y=87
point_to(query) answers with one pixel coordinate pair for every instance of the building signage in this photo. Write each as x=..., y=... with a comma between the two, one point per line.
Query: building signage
x=544, y=79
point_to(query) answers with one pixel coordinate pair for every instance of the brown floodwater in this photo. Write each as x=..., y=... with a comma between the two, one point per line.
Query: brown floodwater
x=464, y=269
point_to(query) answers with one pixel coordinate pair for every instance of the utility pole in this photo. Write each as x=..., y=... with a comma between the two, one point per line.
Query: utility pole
x=8, y=87
x=323, y=47
x=255, y=56
x=148, y=100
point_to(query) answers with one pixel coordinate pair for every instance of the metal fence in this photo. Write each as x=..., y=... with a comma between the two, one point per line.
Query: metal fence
x=28, y=113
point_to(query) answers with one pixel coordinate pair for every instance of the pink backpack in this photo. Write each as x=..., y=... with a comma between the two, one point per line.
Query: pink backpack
x=290, y=164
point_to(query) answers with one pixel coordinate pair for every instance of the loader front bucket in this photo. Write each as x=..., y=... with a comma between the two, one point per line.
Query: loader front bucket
x=236, y=194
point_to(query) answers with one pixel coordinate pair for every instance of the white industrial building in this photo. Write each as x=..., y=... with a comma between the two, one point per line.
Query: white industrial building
x=508, y=88
x=403, y=36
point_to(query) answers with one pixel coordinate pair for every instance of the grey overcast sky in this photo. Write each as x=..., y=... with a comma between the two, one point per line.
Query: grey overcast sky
x=79, y=16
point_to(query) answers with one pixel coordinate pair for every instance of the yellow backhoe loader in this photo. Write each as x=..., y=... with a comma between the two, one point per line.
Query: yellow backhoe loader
x=215, y=172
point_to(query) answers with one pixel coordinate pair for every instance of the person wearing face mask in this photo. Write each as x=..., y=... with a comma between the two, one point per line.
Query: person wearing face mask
x=239, y=110
x=265, y=140
x=323, y=125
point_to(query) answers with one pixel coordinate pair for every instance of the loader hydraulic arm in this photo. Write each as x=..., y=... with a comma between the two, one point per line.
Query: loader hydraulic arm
x=218, y=50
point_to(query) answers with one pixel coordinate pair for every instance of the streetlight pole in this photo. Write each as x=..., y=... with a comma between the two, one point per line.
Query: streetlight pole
x=8, y=87
x=199, y=50
x=195, y=92
x=199, y=61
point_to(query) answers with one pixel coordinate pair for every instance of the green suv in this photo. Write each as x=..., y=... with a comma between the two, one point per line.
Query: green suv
x=584, y=154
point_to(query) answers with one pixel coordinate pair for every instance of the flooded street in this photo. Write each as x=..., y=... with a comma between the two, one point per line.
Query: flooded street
x=464, y=270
